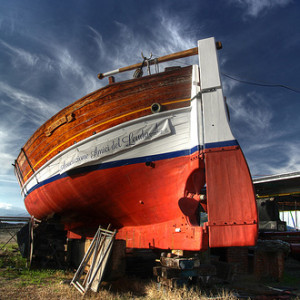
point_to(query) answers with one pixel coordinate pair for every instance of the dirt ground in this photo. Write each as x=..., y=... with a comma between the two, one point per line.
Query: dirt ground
x=17, y=282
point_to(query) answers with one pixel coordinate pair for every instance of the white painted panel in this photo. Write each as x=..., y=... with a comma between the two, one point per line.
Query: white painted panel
x=177, y=140
x=196, y=113
x=216, y=125
x=100, y=148
x=208, y=62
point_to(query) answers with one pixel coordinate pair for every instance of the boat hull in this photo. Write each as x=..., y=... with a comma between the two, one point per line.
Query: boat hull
x=135, y=176
x=138, y=197
x=173, y=177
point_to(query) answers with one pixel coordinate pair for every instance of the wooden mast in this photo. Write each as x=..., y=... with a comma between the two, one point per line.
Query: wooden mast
x=177, y=55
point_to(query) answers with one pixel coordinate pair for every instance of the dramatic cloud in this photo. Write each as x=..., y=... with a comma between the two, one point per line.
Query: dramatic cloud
x=19, y=55
x=274, y=158
x=49, y=59
x=173, y=33
x=7, y=209
x=252, y=112
x=29, y=101
x=228, y=85
x=167, y=35
x=5, y=205
x=6, y=167
x=254, y=8
x=81, y=79
x=7, y=178
x=8, y=151
x=37, y=109
x=268, y=148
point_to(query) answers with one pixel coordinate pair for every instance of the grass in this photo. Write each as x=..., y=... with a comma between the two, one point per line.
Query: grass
x=10, y=257
x=13, y=265
x=19, y=282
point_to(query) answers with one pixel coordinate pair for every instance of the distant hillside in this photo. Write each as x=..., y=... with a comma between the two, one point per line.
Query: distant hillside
x=12, y=211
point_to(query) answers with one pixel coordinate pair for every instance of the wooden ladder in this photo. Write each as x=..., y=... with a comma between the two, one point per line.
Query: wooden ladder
x=97, y=256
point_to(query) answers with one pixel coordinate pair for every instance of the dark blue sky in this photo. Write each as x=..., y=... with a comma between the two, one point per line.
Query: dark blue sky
x=51, y=52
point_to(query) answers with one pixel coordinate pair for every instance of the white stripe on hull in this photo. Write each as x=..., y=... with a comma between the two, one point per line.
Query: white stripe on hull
x=178, y=139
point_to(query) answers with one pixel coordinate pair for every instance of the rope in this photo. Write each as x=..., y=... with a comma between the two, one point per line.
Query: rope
x=139, y=71
x=148, y=66
x=262, y=83
x=156, y=65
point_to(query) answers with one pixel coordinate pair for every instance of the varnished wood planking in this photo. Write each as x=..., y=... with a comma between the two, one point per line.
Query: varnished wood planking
x=106, y=123
x=86, y=134
x=115, y=99
x=105, y=108
x=111, y=104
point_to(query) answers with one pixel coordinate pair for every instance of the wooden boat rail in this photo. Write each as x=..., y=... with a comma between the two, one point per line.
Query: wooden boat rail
x=102, y=110
x=169, y=57
x=28, y=161
x=48, y=128
x=18, y=173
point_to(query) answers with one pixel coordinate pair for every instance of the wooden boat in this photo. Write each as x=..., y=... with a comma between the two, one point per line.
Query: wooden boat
x=151, y=156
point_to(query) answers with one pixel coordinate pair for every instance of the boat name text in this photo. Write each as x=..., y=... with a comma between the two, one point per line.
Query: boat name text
x=96, y=149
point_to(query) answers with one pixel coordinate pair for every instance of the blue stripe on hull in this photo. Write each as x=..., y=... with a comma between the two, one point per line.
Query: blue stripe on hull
x=115, y=164
x=221, y=144
x=137, y=160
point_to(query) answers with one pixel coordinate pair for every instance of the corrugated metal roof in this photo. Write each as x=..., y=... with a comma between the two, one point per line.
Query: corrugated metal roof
x=278, y=185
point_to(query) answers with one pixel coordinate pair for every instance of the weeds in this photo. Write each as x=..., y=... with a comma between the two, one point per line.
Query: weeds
x=19, y=282
x=40, y=277
x=10, y=257
x=13, y=265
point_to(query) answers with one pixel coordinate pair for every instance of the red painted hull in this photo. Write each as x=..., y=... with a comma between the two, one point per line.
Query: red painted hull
x=156, y=205
x=146, y=201
x=232, y=211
